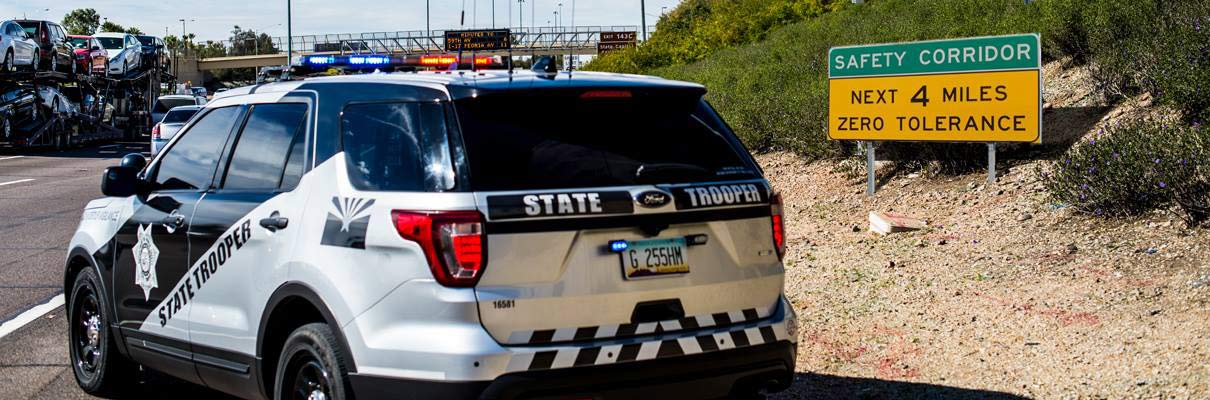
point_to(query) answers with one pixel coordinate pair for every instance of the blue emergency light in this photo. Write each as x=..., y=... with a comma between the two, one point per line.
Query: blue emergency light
x=618, y=246
x=320, y=60
x=369, y=60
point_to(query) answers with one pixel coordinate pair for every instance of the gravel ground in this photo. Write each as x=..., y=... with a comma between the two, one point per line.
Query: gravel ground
x=1005, y=294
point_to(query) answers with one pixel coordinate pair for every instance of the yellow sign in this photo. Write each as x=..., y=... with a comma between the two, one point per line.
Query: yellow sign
x=984, y=89
x=966, y=107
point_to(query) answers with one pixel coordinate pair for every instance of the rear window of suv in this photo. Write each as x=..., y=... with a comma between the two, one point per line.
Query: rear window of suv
x=595, y=138
x=397, y=147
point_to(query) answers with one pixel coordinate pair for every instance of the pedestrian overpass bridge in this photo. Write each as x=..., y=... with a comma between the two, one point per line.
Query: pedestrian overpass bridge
x=532, y=41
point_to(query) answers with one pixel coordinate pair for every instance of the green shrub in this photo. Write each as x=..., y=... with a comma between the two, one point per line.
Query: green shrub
x=1156, y=46
x=1132, y=169
x=774, y=92
x=698, y=28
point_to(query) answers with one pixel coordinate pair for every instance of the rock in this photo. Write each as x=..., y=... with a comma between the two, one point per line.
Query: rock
x=885, y=223
x=1072, y=249
x=1024, y=217
x=941, y=242
x=856, y=228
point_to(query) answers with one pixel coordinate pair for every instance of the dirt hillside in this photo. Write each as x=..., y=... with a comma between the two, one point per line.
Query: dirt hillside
x=1005, y=294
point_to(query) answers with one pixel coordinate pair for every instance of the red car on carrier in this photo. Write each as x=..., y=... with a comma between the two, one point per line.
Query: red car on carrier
x=89, y=56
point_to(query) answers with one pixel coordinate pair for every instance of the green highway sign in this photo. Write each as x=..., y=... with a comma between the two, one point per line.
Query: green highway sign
x=993, y=53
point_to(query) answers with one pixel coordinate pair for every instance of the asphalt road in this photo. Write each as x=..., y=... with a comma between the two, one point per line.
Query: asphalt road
x=41, y=198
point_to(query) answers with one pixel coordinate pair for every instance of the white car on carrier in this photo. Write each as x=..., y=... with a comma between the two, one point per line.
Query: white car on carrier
x=435, y=235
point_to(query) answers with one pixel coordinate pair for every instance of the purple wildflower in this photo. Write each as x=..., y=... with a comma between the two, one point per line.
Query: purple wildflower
x=1157, y=161
x=1163, y=185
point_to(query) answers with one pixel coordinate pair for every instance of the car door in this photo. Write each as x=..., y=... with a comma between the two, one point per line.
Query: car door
x=133, y=51
x=152, y=249
x=241, y=230
x=23, y=47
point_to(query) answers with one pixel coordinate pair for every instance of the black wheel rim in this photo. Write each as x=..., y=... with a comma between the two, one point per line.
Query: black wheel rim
x=87, y=326
x=311, y=380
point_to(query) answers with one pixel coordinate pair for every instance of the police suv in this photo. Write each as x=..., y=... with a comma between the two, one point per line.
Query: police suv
x=439, y=235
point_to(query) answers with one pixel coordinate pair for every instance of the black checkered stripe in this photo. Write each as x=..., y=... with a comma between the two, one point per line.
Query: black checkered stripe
x=605, y=332
x=655, y=347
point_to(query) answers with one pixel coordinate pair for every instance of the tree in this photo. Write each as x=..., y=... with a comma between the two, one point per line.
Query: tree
x=171, y=41
x=134, y=31
x=82, y=21
x=111, y=27
x=246, y=42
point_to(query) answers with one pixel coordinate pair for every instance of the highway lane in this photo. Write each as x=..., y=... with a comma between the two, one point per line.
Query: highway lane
x=41, y=198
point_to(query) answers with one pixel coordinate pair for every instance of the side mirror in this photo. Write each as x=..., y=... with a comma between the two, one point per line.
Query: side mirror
x=123, y=180
x=134, y=160
x=120, y=182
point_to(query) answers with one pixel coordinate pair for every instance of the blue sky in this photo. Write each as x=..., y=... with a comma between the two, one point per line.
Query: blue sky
x=213, y=19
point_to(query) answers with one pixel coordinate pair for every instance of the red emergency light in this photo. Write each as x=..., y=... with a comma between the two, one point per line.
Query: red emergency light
x=446, y=60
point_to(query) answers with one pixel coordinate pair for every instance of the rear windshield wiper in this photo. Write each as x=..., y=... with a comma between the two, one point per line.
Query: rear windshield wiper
x=650, y=173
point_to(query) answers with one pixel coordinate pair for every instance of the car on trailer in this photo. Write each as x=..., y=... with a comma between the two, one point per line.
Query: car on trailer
x=91, y=58
x=18, y=107
x=125, y=52
x=153, y=51
x=54, y=51
x=17, y=48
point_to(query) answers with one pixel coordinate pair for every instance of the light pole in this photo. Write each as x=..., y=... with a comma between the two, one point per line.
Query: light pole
x=643, y=10
x=428, y=28
x=558, y=22
x=181, y=53
x=559, y=19
x=289, y=36
x=256, y=37
x=521, y=14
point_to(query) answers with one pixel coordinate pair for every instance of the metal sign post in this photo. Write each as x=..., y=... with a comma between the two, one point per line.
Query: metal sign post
x=991, y=162
x=869, y=168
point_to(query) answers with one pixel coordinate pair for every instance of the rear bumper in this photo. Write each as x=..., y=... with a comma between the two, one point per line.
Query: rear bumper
x=707, y=375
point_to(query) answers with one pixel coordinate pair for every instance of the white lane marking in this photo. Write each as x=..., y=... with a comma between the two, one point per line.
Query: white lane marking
x=15, y=182
x=11, y=158
x=107, y=152
x=108, y=146
x=30, y=315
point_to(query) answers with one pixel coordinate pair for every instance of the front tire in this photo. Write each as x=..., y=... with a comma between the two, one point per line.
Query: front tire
x=98, y=367
x=8, y=61
x=312, y=366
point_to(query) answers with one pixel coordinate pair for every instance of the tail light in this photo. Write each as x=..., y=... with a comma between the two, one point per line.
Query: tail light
x=454, y=243
x=779, y=226
x=155, y=132
x=45, y=35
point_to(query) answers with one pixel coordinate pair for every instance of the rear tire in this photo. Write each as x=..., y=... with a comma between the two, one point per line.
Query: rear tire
x=312, y=364
x=8, y=61
x=98, y=367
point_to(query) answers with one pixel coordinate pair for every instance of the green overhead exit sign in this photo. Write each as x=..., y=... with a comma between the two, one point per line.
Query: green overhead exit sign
x=979, y=54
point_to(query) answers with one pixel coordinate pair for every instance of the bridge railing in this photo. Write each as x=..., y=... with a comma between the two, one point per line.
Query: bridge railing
x=420, y=42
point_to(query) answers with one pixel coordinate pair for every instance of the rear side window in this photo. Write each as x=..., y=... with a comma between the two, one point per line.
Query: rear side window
x=179, y=116
x=189, y=164
x=593, y=138
x=264, y=145
x=397, y=147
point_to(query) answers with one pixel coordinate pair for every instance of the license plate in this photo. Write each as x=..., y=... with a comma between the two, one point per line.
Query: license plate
x=649, y=258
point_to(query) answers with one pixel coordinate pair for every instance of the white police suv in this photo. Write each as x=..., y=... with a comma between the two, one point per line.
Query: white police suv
x=439, y=235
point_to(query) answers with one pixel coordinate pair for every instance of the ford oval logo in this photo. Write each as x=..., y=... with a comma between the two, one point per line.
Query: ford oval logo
x=653, y=199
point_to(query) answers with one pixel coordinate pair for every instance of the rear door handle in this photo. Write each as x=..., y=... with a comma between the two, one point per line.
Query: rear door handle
x=275, y=223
